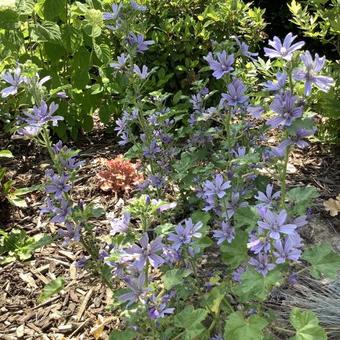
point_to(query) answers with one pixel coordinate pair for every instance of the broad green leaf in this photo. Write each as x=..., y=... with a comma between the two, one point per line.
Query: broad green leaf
x=32, y=244
x=235, y=253
x=54, y=9
x=306, y=325
x=214, y=298
x=174, y=277
x=103, y=52
x=6, y=154
x=246, y=216
x=51, y=289
x=47, y=31
x=324, y=261
x=190, y=319
x=8, y=18
x=128, y=334
x=301, y=198
x=256, y=287
x=238, y=327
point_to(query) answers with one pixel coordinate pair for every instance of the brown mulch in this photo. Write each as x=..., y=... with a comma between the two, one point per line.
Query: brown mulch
x=82, y=309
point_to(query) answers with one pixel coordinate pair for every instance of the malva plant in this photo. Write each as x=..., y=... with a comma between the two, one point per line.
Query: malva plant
x=198, y=251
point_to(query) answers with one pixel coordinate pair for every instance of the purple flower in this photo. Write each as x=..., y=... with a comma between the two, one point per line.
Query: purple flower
x=255, y=111
x=63, y=212
x=49, y=208
x=310, y=74
x=72, y=233
x=62, y=95
x=14, y=80
x=227, y=233
x=119, y=225
x=235, y=95
x=278, y=85
x=138, y=291
x=266, y=199
x=217, y=187
x=152, y=150
x=138, y=41
x=57, y=185
x=41, y=115
x=276, y=224
x=222, y=65
x=258, y=244
x=284, y=104
x=71, y=163
x=286, y=251
x=185, y=234
x=244, y=49
x=159, y=310
x=280, y=150
x=283, y=50
x=234, y=204
x=121, y=62
x=300, y=221
x=262, y=264
x=138, y=7
x=146, y=252
x=141, y=73
x=237, y=273
x=115, y=12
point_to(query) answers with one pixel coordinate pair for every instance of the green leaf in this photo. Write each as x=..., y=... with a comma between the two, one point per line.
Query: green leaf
x=214, y=298
x=174, y=277
x=54, y=9
x=51, y=288
x=306, y=325
x=246, y=216
x=235, y=253
x=128, y=334
x=47, y=31
x=190, y=319
x=301, y=198
x=25, y=7
x=256, y=287
x=239, y=328
x=8, y=18
x=32, y=244
x=6, y=154
x=324, y=261
x=103, y=52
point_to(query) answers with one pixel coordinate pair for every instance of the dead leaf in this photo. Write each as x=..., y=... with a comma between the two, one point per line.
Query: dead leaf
x=98, y=329
x=333, y=206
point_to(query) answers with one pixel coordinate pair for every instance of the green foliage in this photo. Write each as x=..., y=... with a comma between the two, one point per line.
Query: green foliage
x=323, y=260
x=191, y=320
x=235, y=253
x=239, y=328
x=52, y=288
x=320, y=20
x=128, y=334
x=301, y=198
x=175, y=277
x=16, y=244
x=256, y=287
x=306, y=325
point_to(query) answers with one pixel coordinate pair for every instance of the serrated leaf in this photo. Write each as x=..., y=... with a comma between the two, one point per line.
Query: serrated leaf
x=47, y=31
x=238, y=327
x=51, y=289
x=103, y=52
x=214, y=298
x=235, y=253
x=246, y=216
x=128, y=334
x=190, y=319
x=306, y=325
x=301, y=198
x=324, y=261
x=54, y=9
x=174, y=277
x=256, y=287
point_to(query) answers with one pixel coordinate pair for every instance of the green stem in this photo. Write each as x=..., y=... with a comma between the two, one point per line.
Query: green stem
x=283, y=177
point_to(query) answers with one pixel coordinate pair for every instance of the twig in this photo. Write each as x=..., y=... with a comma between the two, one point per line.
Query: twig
x=84, y=304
